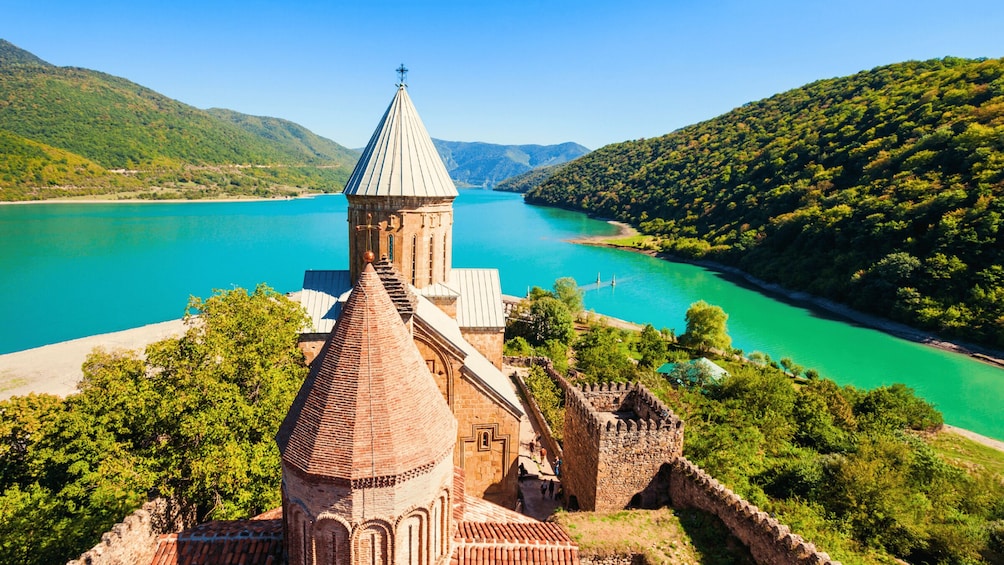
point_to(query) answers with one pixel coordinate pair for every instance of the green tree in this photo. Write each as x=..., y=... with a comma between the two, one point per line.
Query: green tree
x=549, y=398
x=231, y=378
x=706, y=328
x=567, y=291
x=601, y=354
x=651, y=347
x=540, y=319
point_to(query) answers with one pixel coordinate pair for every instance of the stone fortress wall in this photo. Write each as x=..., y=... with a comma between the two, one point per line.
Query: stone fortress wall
x=617, y=437
x=134, y=539
x=768, y=540
x=684, y=484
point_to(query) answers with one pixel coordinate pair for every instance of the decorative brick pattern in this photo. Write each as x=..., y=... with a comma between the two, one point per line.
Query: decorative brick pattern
x=421, y=229
x=366, y=373
x=367, y=445
x=490, y=473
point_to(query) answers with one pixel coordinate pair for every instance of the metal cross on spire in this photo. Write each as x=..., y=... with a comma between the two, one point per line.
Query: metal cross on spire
x=402, y=75
x=368, y=256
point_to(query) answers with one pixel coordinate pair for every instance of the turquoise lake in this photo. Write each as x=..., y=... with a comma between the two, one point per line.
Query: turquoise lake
x=72, y=270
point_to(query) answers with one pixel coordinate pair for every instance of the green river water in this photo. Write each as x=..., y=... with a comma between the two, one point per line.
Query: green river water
x=72, y=270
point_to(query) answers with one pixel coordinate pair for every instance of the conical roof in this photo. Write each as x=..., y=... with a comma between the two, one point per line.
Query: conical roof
x=400, y=159
x=370, y=408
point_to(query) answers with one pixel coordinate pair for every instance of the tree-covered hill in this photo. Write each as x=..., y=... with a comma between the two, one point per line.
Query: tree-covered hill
x=120, y=125
x=883, y=190
x=523, y=182
x=485, y=164
x=297, y=139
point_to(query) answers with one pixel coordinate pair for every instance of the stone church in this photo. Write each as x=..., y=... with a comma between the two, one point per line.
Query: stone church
x=400, y=208
x=401, y=446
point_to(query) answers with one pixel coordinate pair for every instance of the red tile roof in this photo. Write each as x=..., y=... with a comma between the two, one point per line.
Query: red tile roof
x=238, y=542
x=370, y=412
x=484, y=543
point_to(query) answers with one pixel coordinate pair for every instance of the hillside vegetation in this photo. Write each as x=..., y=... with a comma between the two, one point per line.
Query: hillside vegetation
x=486, y=164
x=131, y=137
x=882, y=190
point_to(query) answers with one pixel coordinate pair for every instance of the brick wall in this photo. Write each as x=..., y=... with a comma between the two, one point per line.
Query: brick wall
x=134, y=539
x=487, y=341
x=310, y=345
x=487, y=434
x=617, y=437
x=552, y=445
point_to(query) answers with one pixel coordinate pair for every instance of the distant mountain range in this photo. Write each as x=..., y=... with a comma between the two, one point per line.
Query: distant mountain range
x=476, y=164
x=66, y=130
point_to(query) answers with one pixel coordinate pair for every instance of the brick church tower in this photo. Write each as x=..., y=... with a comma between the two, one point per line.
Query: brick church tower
x=400, y=198
x=367, y=447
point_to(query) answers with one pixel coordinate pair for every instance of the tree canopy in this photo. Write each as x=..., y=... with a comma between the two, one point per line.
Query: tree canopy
x=195, y=421
x=883, y=190
x=706, y=328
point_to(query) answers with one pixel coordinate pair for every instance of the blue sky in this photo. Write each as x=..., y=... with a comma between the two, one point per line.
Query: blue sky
x=594, y=72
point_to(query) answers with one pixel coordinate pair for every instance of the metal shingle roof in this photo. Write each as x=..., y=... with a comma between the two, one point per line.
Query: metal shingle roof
x=320, y=297
x=480, y=302
x=400, y=159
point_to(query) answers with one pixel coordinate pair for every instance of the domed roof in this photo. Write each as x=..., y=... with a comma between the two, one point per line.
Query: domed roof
x=370, y=408
x=400, y=159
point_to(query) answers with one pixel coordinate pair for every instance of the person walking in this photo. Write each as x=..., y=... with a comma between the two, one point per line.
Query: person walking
x=550, y=488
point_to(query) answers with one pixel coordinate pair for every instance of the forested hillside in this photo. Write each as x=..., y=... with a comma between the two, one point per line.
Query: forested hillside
x=525, y=181
x=883, y=190
x=134, y=139
x=485, y=164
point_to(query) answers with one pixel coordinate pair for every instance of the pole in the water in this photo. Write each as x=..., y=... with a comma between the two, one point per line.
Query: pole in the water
x=597, y=280
x=613, y=281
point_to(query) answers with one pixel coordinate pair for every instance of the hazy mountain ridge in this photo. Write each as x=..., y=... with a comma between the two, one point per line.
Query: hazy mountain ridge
x=118, y=124
x=883, y=190
x=486, y=164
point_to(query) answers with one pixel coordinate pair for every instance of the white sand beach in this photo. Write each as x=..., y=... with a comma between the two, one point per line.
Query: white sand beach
x=56, y=369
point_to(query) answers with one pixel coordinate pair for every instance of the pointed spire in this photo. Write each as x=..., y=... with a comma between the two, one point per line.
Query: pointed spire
x=370, y=410
x=400, y=159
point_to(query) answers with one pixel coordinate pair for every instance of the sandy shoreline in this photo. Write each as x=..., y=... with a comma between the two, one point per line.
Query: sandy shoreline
x=56, y=369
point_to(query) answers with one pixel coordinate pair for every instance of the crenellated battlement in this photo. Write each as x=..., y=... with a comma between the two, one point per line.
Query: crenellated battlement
x=134, y=539
x=769, y=541
x=617, y=436
x=620, y=408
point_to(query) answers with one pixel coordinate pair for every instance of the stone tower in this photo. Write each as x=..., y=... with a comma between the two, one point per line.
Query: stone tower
x=400, y=199
x=367, y=447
